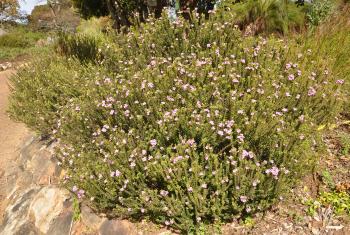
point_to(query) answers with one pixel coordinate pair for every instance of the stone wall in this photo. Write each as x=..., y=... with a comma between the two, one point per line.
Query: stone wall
x=36, y=204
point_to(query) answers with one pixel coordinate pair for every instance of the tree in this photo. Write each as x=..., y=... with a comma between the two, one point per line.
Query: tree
x=9, y=9
x=123, y=11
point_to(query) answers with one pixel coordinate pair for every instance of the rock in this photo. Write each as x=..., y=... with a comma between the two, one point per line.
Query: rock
x=28, y=229
x=5, y=66
x=315, y=231
x=47, y=206
x=16, y=219
x=2, y=32
x=62, y=224
x=90, y=219
x=38, y=159
x=120, y=227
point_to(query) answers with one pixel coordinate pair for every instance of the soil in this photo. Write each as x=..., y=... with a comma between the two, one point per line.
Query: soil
x=12, y=134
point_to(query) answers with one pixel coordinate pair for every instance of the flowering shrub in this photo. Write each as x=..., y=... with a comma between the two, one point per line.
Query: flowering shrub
x=188, y=124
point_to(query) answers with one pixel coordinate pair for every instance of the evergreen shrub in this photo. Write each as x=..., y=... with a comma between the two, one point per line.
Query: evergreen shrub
x=185, y=123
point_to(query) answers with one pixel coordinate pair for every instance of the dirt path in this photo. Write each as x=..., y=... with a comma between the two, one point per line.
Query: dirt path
x=12, y=134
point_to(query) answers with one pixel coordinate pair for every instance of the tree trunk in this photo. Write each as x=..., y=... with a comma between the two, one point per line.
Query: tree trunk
x=112, y=11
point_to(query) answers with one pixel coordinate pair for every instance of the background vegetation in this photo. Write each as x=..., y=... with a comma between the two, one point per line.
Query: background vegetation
x=21, y=41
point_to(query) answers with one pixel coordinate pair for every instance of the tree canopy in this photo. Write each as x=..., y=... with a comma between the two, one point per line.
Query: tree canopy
x=8, y=9
x=122, y=11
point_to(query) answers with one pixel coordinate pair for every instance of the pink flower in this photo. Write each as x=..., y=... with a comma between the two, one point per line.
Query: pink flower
x=164, y=193
x=80, y=193
x=340, y=81
x=249, y=154
x=274, y=171
x=243, y=199
x=153, y=142
x=240, y=137
x=311, y=91
x=291, y=77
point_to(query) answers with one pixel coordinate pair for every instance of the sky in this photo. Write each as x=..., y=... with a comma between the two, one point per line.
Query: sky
x=28, y=5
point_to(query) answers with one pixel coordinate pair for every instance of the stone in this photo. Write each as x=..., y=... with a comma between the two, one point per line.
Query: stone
x=2, y=32
x=47, y=205
x=89, y=218
x=16, y=219
x=62, y=224
x=114, y=227
x=28, y=229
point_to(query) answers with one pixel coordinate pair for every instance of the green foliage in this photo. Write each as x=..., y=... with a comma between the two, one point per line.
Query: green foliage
x=91, y=8
x=83, y=47
x=338, y=201
x=186, y=123
x=331, y=40
x=328, y=179
x=44, y=97
x=248, y=221
x=267, y=16
x=319, y=10
x=345, y=144
x=20, y=37
x=94, y=26
x=20, y=41
x=76, y=210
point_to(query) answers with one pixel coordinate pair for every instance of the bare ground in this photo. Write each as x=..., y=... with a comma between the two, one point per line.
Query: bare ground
x=12, y=134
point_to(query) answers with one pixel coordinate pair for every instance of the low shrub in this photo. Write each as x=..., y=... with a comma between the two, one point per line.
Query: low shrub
x=188, y=124
x=42, y=88
x=83, y=47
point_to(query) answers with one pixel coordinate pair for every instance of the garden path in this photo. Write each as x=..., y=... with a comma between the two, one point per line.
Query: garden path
x=12, y=134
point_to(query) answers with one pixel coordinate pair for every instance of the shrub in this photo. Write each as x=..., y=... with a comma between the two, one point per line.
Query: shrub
x=267, y=16
x=319, y=10
x=85, y=48
x=331, y=40
x=188, y=124
x=94, y=26
x=41, y=89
